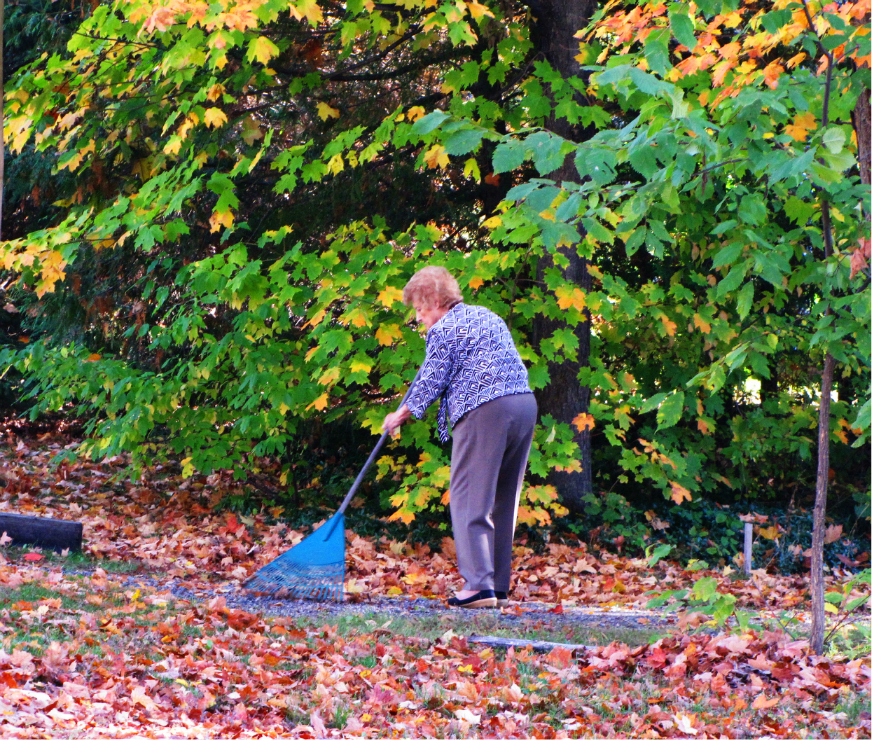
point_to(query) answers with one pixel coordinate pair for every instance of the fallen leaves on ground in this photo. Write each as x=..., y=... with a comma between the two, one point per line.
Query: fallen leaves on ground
x=79, y=653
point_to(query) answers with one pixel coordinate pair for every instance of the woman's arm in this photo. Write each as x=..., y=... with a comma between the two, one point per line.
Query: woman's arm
x=435, y=374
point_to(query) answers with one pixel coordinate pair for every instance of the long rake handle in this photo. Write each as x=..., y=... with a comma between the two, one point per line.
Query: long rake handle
x=372, y=455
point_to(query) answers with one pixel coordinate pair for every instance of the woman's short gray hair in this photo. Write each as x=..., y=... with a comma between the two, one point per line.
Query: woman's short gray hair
x=432, y=286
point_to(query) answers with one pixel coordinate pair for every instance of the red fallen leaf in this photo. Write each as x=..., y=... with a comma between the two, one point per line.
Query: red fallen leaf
x=34, y=557
x=557, y=609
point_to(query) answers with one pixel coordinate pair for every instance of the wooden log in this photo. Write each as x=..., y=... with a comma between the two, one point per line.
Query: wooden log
x=52, y=534
x=539, y=646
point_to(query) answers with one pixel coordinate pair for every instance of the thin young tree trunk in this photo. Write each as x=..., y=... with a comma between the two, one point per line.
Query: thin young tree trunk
x=860, y=118
x=2, y=98
x=818, y=614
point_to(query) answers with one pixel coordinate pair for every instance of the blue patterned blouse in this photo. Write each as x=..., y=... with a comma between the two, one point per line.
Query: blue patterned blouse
x=471, y=359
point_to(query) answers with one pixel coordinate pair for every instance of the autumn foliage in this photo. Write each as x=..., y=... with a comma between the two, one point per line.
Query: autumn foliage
x=252, y=184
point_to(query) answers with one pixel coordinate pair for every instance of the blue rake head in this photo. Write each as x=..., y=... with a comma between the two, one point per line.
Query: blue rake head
x=313, y=569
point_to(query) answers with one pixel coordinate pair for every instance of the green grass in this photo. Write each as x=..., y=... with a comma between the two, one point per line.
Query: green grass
x=430, y=627
x=73, y=561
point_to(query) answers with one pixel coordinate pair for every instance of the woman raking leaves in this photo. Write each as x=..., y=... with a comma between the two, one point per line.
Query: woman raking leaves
x=473, y=367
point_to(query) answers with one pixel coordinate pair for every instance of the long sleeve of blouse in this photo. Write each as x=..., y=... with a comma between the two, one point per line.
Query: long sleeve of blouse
x=470, y=360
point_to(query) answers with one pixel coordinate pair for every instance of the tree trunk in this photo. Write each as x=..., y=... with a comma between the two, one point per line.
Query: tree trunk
x=861, y=118
x=818, y=614
x=2, y=99
x=557, y=22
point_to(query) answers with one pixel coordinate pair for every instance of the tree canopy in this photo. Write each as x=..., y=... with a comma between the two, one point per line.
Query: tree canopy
x=239, y=191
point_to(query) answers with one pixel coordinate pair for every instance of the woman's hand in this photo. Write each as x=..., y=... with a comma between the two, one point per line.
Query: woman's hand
x=396, y=419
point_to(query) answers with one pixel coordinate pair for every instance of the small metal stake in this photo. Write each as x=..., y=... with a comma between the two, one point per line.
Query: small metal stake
x=749, y=536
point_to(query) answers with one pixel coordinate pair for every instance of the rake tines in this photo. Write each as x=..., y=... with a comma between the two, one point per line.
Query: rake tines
x=313, y=569
x=294, y=580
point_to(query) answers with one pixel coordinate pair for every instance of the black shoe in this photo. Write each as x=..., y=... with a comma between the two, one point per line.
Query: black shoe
x=481, y=600
x=502, y=598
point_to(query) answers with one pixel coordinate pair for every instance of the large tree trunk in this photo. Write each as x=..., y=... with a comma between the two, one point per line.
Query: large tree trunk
x=557, y=22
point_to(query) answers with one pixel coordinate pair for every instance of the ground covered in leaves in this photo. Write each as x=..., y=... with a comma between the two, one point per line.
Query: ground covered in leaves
x=143, y=635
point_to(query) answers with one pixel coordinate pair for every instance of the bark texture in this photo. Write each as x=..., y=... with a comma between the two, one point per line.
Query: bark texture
x=818, y=614
x=557, y=22
x=861, y=118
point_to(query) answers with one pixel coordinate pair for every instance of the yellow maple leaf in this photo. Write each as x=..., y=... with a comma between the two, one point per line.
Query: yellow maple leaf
x=493, y=222
x=436, y=157
x=214, y=117
x=477, y=10
x=798, y=130
x=215, y=92
x=704, y=326
x=470, y=169
x=414, y=113
x=387, y=334
x=769, y=533
x=679, y=493
x=173, y=145
x=336, y=164
x=331, y=375
x=220, y=218
x=325, y=112
x=390, y=295
x=361, y=365
x=262, y=50
x=476, y=282
x=307, y=10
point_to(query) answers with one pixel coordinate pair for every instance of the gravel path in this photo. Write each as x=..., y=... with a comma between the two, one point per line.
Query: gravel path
x=517, y=615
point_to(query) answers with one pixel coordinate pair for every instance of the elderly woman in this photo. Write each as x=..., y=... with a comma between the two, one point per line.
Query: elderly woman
x=472, y=365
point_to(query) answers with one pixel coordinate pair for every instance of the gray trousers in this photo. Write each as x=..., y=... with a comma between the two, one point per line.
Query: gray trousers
x=488, y=458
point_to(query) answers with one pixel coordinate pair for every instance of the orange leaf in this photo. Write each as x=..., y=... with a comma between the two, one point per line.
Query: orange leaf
x=570, y=297
x=387, y=334
x=319, y=403
x=761, y=702
x=669, y=326
x=679, y=493
x=704, y=326
x=583, y=421
x=799, y=129
x=771, y=74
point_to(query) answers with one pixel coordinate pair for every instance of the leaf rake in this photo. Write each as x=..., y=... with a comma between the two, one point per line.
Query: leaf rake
x=315, y=567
